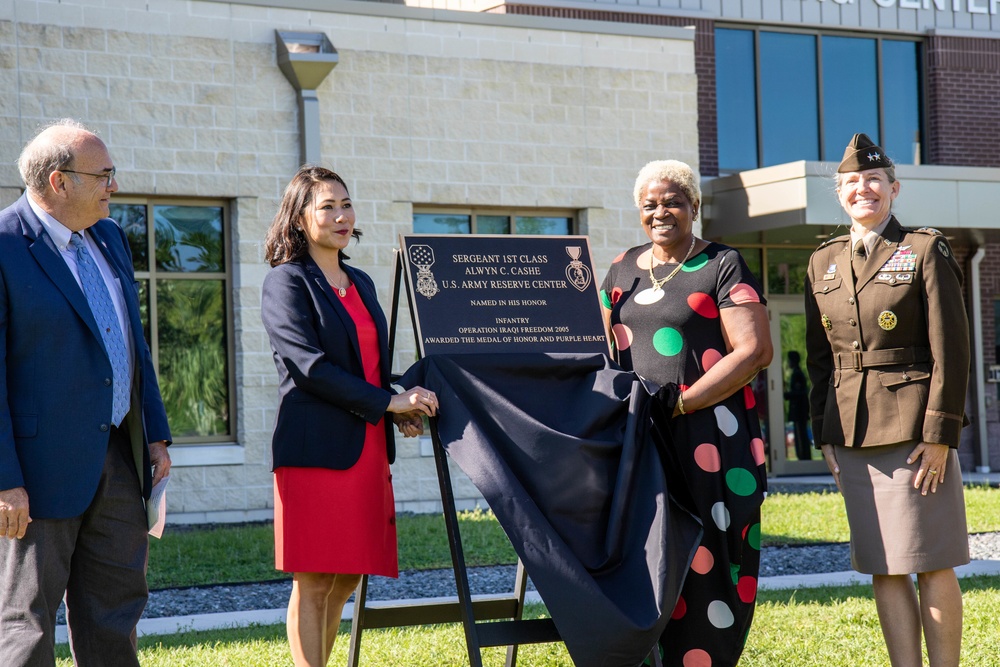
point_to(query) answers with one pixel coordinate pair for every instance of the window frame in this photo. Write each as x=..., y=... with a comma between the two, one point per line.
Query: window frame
x=511, y=213
x=761, y=246
x=150, y=275
x=879, y=38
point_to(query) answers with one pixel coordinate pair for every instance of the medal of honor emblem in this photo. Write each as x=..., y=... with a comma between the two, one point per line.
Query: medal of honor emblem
x=423, y=257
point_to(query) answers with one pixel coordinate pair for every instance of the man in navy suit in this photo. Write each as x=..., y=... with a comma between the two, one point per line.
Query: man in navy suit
x=83, y=431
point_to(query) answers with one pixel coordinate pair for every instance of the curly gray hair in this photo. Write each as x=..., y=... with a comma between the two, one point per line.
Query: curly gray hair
x=676, y=172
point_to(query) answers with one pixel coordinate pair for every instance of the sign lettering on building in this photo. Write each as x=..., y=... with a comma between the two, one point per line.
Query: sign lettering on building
x=964, y=6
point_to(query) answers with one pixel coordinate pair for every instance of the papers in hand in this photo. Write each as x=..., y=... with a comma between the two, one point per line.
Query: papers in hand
x=156, y=508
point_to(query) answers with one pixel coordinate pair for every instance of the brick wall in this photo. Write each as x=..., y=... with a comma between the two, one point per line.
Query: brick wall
x=963, y=93
x=419, y=110
x=963, y=128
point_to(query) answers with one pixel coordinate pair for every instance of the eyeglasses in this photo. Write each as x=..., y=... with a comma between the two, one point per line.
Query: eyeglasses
x=108, y=177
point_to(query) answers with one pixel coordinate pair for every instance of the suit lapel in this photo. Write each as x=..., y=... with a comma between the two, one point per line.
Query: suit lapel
x=881, y=252
x=124, y=280
x=105, y=238
x=843, y=260
x=42, y=248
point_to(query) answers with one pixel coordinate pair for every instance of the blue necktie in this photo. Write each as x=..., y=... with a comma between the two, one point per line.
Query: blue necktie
x=107, y=320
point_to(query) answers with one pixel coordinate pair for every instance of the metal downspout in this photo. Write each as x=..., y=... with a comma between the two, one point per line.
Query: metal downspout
x=979, y=363
x=305, y=58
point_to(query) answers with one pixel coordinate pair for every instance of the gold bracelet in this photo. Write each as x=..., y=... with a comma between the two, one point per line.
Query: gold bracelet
x=680, y=402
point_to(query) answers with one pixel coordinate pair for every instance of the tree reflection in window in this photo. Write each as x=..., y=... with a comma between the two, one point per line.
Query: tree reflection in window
x=192, y=345
x=188, y=238
x=535, y=224
x=185, y=291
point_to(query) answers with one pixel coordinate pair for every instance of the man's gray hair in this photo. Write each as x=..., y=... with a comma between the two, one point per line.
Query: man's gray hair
x=41, y=158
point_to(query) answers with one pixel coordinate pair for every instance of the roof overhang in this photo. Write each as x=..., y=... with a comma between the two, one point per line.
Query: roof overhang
x=797, y=201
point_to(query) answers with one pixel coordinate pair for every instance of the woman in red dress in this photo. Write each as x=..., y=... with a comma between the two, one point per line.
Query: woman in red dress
x=334, y=514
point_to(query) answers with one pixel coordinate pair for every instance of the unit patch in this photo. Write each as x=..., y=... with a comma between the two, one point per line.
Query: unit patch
x=943, y=248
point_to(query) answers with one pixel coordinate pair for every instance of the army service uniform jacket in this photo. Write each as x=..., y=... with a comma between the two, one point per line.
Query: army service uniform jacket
x=888, y=352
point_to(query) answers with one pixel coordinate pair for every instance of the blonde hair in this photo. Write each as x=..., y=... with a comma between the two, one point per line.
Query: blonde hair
x=674, y=171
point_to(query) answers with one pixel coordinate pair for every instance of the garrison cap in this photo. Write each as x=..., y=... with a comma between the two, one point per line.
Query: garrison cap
x=862, y=153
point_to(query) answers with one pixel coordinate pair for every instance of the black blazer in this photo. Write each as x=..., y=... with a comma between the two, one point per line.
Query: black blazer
x=324, y=399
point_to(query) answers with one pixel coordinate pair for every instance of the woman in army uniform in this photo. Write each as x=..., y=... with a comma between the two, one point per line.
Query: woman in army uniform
x=888, y=356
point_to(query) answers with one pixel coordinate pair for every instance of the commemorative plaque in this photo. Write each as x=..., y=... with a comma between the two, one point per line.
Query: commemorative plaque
x=488, y=293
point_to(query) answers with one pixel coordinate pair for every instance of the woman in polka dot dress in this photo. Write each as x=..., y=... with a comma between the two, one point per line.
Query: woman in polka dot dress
x=686, y=311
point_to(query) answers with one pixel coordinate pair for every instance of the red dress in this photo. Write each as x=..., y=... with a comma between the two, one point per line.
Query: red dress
x=340, y=521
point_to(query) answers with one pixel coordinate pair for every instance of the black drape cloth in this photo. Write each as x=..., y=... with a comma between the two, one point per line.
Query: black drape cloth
x=563, y=449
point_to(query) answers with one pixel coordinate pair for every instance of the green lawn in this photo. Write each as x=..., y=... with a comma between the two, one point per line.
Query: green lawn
x=231, y=554
x=833, y=627
x=809, y=518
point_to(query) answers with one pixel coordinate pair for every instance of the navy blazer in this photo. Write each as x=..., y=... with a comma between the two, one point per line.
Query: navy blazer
x=324, y=400
x=55, y=376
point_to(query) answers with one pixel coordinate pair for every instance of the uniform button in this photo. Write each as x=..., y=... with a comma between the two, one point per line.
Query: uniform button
x=826, y=288
x=892, y=281
x=906, y=377
x=104, y=427
x=853, y=322
x=855, y=345
x=851, y=301
x=107, y=382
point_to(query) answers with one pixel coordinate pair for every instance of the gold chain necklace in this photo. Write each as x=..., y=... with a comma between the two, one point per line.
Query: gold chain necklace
x=658, y=284
x=342, y=291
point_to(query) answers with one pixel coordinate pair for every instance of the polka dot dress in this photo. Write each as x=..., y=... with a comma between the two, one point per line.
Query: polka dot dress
x=717, y=468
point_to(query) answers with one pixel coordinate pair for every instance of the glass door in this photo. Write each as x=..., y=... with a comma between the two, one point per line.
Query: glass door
x=789, y=440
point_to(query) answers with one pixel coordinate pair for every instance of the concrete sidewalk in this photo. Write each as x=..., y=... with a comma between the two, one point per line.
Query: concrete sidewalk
x=175, y=624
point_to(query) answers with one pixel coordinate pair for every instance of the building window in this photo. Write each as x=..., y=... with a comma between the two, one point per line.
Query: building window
x=784, y=96
x=484, y=221
x=181, y=260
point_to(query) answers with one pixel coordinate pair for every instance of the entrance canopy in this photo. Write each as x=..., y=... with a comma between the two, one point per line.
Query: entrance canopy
x=797, y=203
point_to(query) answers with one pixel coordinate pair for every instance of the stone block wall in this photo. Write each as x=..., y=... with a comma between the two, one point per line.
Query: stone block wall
x=423, y=108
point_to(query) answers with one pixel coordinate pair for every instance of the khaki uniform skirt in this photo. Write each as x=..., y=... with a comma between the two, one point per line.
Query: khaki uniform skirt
x=894, y=529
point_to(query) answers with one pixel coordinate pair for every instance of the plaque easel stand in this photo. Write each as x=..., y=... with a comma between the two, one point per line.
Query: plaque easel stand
x=506, y=626
x=505, y=611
